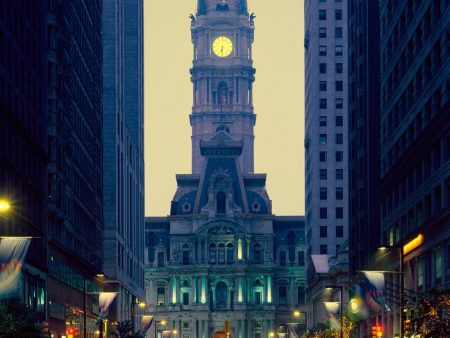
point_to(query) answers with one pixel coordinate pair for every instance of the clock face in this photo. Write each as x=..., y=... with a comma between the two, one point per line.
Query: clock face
x=222, y=46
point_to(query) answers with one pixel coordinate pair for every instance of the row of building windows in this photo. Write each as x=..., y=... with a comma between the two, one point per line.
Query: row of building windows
x=422, y=119
x=323, y=249
x=323, y=156
x=414, y=178
x=425, y=209
x=338, y=68
x=339, y=103
x=323, y=174
x=338, y=32
x=339, y=121
x=339, y=231
x=338, y=51
x=323, y=139
x=339, y=86
x=337, y=14
x=324, y=193
x=339, y=213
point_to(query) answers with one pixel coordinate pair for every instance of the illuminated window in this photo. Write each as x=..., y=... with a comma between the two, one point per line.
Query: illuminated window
x=161, y=296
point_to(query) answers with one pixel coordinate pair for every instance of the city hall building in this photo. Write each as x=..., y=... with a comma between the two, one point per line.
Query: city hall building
x=221, y=264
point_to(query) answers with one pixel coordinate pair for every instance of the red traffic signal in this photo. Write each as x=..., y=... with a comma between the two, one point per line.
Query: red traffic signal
x=70, y=332
x=377, y=331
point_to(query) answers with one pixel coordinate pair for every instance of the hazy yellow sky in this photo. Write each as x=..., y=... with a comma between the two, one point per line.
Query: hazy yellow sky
x=278, y=100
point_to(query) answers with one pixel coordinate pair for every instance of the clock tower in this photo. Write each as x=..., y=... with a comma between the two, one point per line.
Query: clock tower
x=222, y=76
x=221, y=264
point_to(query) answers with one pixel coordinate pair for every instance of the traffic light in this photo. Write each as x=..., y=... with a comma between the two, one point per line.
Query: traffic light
x=377, y=331
x=70, y=332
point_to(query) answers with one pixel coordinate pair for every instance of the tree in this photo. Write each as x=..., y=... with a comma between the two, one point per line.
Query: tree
x=325, y=330
x=18, y=320
x=432, y=315
x=125, y=330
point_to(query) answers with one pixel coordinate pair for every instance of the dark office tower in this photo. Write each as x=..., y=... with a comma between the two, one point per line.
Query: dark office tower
x=415, y=137
x=23, y=145
x=123, y=154
x=75, y=178
x=364, y=140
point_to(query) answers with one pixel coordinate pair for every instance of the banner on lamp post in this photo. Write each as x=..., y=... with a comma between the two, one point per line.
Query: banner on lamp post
x=146, y=322
x=13, y=251
x=104, y=301
x=333, y=309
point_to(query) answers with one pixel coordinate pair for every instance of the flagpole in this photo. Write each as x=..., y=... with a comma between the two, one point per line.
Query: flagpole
x=84, y=304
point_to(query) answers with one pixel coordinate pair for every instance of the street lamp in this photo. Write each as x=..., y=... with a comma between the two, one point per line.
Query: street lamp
x=341, y=291
x=5, y=205
x=402, y=282
x=298, y=313
x=157, y=323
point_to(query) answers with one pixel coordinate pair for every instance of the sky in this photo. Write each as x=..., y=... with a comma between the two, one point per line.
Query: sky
x=278, y=57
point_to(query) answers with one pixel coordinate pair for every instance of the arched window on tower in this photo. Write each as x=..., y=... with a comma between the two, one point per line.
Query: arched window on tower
x=221, y=202
x=222, y=90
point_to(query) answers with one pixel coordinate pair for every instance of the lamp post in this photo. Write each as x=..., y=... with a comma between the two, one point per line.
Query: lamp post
x=298, y=313
x=157, y=323
x=402, y=283
x=341, y=290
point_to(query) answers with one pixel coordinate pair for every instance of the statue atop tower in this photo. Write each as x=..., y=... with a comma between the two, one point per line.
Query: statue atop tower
x=207, y=6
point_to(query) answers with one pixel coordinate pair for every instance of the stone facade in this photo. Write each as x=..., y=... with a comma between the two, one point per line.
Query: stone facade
x=123, y=154
x=222, y=262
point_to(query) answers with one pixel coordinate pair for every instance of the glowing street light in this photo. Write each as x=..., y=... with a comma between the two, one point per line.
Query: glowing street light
x=142, y=305
x=271, y=334
x=296, y=313
x=5, y=205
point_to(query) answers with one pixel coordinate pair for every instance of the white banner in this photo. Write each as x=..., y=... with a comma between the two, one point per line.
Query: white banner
x=146, y=322
x=104, y=301
x=332, y=309
x=13, y=251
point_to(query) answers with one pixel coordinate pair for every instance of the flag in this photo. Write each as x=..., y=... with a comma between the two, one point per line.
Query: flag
x=374, y=295
x=13, y=251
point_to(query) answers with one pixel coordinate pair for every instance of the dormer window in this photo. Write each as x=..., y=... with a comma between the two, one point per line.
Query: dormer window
x=221, y=200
